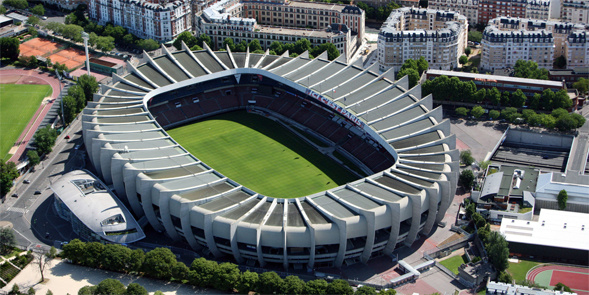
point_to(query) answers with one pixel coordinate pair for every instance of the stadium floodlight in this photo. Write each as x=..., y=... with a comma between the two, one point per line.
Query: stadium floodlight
x=85, y=36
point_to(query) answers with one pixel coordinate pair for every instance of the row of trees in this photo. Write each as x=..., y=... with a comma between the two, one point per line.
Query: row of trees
x=9, y=48
x=559, y=118
x=529, y=69
x=380, y=13
x=161, y=263
x=452, y=89
x=276, y=48
x=114, y=287
x=77, y=97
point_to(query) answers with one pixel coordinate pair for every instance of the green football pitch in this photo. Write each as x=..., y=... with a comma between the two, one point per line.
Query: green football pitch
x=261, y=155
x=18, y=103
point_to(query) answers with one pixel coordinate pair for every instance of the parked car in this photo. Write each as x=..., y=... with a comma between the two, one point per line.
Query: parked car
x=26, y=181
x=37, y=192
x=15, y=195
x=67, y=137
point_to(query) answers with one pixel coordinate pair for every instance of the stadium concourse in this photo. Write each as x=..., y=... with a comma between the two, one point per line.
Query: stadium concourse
x=385, y=128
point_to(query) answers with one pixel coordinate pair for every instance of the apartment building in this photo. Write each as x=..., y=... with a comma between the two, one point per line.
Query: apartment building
x=481, y=11
x=507, y=40
x=468, y=8
x=409, y=33
x=575, y=11
x=149, y=20
x=65, y=4
x=342, y=25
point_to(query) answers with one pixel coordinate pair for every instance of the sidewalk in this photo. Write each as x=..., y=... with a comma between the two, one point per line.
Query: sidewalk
x=64, y=278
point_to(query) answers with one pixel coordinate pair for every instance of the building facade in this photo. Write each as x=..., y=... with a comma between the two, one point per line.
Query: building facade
x=575, y=11
x=409, y=33
x=286, y=22
x=538, y=9
x=161, y=22
x=468, y=8
x=507, y=40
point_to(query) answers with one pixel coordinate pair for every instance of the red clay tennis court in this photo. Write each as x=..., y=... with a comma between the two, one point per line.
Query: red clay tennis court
x=72, y=58
x=576, y=278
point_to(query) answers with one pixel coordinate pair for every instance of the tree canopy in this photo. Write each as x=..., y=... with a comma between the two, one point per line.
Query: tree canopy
x=582, y=85
x=562, y=199
x=7, y=239
x=44, y=139
x=8, y=173
x=497, y=250
x=38, y=9
x=9, y=47
x=529, y=69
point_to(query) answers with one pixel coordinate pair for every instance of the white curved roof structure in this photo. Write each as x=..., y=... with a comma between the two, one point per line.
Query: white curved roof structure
x=385, y=128
x=96, y=207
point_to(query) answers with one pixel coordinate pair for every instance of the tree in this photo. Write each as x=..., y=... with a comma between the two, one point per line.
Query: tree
x=477, y=111
x=276, y=47
x=136, y=260
x=470, y=210
x=20, y=4
x=461, y=111
x=2, y=9
x=33, y=20
x=135, y=289
x=204, y=271
x=158, y=263
x=527, y=113
x=480, y=95
x=77, y=92
x=560, y=62
x=388, y=292
x=466, y=178
x=270, y=283
x=413, y=76
x=73, y=32
x=44, y=261
x=340, y=287
x=562, y=287
x=293, y=285
x=148, y=44
x=422, y=65
x=332, y=52
x=316, y=287
x=92, y=254
x=9, y=48
x=106, y=43
x=248, y=281
x=45, y=139
x=69, y=109
x=535, y=101
x=188, y=39
x=494, y=96
x=7, y=239
x=579, y=120
x=467, y=51
x=562, y=199
x=463, y=60
x=478, y=220
x=15, y=288
x=529, y=69
x=180, y=272
x=49, y=292
x=8, y=173
x=494, y=114
x=466, y=157
x=518, y=99
x=204, y=39
x=87, y=290
x=365, y=290
x=498, y=251
x=546, y=99
x=582, y=85
x=475, y=36
x=110, y=287
x=505, y=277
x=115, y=257
x=89, y=85
x=228, y=42
x=509, y=114
x=74, y=251
x=254, y=45
x=38, y=9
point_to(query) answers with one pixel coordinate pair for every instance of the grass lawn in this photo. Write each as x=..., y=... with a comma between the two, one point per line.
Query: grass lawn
x=261, y=155
x=453, y=263
x=519, y=270
x=18, y=103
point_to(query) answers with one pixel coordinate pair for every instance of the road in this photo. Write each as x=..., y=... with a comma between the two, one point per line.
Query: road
x=33, y=219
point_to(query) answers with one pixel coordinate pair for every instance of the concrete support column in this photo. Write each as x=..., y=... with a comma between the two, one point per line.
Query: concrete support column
x=164, y=203
x=432, y=197
x=415, y=201
x=395, y=209
x=284, y=234
x=130, y=179
x=144, y=188
x=187, y=225
x=208, y=228
x=311, y=229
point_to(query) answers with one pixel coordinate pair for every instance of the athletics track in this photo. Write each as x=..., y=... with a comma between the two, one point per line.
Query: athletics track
x=576, y=278
x=20, y=76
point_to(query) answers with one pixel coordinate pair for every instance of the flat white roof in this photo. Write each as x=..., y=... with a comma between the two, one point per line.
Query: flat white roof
x=495, y=77
x=554, y=228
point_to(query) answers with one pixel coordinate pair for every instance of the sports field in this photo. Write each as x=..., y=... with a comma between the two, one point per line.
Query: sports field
x=18, y=103
x=261, y=155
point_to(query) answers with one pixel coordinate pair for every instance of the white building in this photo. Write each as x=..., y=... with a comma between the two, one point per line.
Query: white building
x=148, y=20
x=507, y=40
x=538, y=9
x=551, y=183
x=409, y=33
x=575, y=11
x=498, y=288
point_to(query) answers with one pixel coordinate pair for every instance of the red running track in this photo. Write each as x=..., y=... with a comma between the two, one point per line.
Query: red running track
x=27, y=77
x=574, y=280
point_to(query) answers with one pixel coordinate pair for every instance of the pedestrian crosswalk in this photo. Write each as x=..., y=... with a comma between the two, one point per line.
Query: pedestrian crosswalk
x=18, y=210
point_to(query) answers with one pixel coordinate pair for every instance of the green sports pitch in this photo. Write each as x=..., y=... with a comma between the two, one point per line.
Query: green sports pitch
x=261, y=155
x=18, y=103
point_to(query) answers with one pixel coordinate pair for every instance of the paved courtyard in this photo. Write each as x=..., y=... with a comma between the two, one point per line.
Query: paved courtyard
x=64, y=278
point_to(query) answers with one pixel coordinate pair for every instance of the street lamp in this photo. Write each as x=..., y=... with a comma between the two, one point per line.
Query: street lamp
x=85, y=36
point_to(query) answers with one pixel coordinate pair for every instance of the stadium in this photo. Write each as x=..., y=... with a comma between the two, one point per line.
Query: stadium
x=376, y=123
